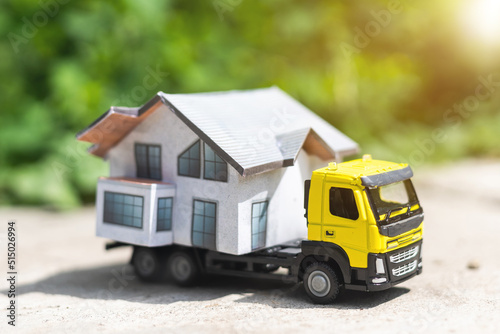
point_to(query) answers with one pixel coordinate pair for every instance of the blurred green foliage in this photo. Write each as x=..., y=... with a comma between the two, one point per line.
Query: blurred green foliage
x=63, y=63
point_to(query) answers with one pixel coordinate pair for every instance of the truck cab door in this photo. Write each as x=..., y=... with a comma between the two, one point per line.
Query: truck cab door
x=344, y=221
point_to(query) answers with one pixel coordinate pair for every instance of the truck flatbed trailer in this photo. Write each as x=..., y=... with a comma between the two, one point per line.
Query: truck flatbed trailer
x=260, y=264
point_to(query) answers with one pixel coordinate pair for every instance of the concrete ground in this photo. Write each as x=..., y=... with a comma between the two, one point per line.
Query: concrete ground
x=69, y=284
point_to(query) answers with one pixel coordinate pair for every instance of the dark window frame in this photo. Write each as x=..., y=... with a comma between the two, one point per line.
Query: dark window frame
x=179, y=157
x=343, y=210
x=216, y=163
x=169, y=218
x=258, y=233
x=148, y=166
x=105, y=212
x=204, y=216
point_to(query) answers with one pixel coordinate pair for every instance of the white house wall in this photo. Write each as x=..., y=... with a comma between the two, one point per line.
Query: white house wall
x=284, y=189
x=145, y=236
x=165, y=129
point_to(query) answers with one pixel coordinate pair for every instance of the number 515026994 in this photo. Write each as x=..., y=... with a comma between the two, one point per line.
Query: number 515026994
x=11, y=246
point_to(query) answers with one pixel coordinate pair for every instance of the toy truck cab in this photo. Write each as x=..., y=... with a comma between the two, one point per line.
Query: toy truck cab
x=365, y=216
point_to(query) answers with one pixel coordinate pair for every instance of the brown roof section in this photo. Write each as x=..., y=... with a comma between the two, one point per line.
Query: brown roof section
x=114, y=124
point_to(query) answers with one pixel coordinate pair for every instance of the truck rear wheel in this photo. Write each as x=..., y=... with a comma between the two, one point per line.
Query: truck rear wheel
x=182, y=268
x=147, y=264
x=321, y=283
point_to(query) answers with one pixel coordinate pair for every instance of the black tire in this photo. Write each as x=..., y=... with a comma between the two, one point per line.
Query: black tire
x=321, y=283
x=183, y=269
x=147, y=264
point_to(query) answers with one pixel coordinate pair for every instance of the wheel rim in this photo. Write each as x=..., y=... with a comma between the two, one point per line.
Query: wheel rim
x=181, y=268
x=145, y=263
x=319, y=283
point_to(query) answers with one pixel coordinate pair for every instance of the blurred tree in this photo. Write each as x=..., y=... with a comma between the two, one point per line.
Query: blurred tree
x=383, y=73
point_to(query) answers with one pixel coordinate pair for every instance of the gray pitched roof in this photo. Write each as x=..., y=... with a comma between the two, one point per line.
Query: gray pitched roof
x=256, y=130
x=253, y=130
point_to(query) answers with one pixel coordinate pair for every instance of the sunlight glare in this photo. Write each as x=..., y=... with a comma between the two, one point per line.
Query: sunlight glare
x=483, y=19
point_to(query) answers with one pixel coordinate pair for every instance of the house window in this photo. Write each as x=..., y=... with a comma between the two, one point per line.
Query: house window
x=214, y=167
x=189, y=161
x=148, y=161
x=123, y=209
x=343, y=204
x=204, y=218
x=259, y=224
x=164, y=215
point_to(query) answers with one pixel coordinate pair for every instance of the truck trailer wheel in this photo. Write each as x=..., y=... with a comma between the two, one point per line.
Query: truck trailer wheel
x=182, y=268
x=147, y=264
x=321, y=283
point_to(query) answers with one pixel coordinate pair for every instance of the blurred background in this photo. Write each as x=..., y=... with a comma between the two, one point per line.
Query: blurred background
x=413, y=81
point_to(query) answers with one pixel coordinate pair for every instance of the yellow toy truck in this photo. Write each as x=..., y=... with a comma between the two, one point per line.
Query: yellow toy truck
x=365, y=227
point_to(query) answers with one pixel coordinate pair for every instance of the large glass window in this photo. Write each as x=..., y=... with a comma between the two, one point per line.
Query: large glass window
x=123, y=209
x=189, y=161
x=214, y=167
x=148, y=161
x=204, y=219
x=259, y=224
x=164, y=215
x=396, y=198
x=343, y=204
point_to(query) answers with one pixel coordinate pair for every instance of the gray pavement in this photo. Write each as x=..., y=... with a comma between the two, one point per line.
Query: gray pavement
x=69, y=284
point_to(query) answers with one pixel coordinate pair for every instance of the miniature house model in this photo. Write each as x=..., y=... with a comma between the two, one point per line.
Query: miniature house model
x=222, y=171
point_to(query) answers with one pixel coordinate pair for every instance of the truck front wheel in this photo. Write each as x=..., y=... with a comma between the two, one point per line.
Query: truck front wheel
x=321, y=283
x=182, y=268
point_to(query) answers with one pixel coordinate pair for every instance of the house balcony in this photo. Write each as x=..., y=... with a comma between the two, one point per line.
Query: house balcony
x=135, y=211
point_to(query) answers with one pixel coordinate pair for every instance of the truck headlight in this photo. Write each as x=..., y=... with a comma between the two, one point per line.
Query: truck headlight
x=378, y=272
x=379, y=266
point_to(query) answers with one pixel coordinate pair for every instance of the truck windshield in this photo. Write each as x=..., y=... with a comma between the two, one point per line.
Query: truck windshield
x=391, y=198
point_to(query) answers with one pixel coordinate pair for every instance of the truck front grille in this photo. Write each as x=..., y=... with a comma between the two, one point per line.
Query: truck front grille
x=404, y=269
x=405, y=255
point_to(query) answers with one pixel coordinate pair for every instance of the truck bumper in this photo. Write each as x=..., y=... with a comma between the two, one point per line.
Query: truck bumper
x=387, y=285
x=386, y=270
